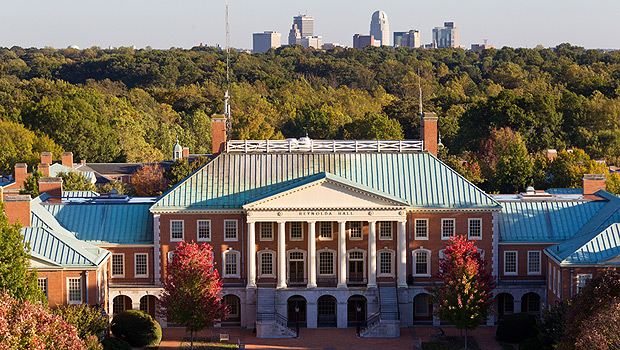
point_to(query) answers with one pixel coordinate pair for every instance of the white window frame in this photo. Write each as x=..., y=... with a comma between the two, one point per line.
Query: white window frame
x=237, y=264
x=516, y=271
x=559, y=283
x=268, y=226
x=122, y=255
x=331, y=231
x=361, y=228
x=379, y=273
x=581, y=280
x=260, y=263
x=42, y=282
x=288, y=260
x=428, y=262
x=555, y=284
x=236, y=227
x=135, y=265
x=69, y=290
x=208, y=228
x=290, y=231
x=172, y=239
x=550, y=278
x=318, y=261
x=356, y=250
x=415, y=230
x=529, y=265
x=469, y=228
x=383, y=224
x=444, y=227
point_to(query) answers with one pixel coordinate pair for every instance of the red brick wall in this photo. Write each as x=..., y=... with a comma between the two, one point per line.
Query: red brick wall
x=129, y=253
x=17, y=209
x=522, y=257
x=57, y=285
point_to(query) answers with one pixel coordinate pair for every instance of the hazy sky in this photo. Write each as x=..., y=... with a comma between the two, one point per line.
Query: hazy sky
x=186, y=23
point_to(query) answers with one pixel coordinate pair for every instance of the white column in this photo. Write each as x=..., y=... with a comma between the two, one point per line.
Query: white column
x=372, y=254
x=342, y=255
x=402, y=254
x=281, y=255
x=251, y=255
x=311, y=255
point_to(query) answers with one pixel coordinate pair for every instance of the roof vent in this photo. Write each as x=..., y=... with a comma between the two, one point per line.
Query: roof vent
x=304, y=140
x=530, y=190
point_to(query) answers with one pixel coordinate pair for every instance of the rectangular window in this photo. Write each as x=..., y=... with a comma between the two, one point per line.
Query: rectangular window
x=355, y=230
x=533, y=262
x=475, y=228
x=142, y=265
x=118, y=265
x=176, y=230
x=266, y=231
x=326, y=230
x=230, y=230
x=326, y=263
x=421, y=263
x=582, y=278
x=559, y=283
x=266, y=264
x=421, y=228
x=447, y=228
x=549, y=276
x=385, y=263
x=42, y=282
x=230, y=264
x=510, y=263
x=74, y=290
x=385, y=230
x=296, y=231
x=204, y=230
x=555, y=283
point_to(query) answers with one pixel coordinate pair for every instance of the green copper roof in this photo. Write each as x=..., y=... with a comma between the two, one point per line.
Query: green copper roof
x=595, y=248
x=233, y=179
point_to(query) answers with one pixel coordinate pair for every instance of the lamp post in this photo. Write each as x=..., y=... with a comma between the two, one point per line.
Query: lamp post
x=358, y=308
x=297, y=320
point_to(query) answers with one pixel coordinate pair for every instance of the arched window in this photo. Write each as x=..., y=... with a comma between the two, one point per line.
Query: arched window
x=266, y=263
x=231, y=264
x=421, y=262
x=386, y=262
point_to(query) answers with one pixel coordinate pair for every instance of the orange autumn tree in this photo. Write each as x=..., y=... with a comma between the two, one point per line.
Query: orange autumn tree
x=465, y=298
x=149, y=180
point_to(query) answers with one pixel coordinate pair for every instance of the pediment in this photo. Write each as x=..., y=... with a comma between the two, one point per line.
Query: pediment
x=327, y=193
x=42, y=263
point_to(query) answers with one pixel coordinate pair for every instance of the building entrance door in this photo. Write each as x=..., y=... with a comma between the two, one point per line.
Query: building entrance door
x=296, y=272
x=296, y=311
x=326, y=311
x=356, y=311
x=356, y=271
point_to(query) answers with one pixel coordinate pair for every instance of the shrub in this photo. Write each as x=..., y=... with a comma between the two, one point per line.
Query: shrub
x=531, y=344
x=516, y=328
x=137, y=328
x=115, y=344
x=87, y=320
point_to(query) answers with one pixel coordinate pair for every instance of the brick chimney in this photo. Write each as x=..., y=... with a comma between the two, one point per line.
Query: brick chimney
x=551, y=154
x=17, y=209
x=67, y=159
x=46, y=158
x=51, y=186
x=218, y=135
x=83, y=162
x=21, y=173
x=185, y=152
x=428, y=132
x=44, y=168
x=593, y=183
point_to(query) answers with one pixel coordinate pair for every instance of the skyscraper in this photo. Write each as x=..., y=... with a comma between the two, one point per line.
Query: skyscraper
x=411, y=39
x=446, y=36
x=266, y=40
x=380, y=28
x=302, y=32
x=305, y=24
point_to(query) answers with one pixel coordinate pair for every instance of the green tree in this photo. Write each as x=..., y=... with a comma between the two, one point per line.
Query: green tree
x=88, y=320
x=508, y=161
x=373, y=126
x=15, y=279
x=21, y=145
x=182, y=168
x=75, y=181
x=466, y=296
x=121, y=188
x=31, y=184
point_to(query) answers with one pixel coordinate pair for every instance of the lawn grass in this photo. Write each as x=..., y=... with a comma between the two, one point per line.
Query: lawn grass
x=202, y=344
x=451, y=343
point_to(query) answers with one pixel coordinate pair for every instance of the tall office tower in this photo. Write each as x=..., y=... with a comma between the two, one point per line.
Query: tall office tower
x=266, y=40
x=305, y=24
x=446, y=36
x=360, y=41
x=294, y=35
x=398, y=38
x=411, y=39
x=380, y=28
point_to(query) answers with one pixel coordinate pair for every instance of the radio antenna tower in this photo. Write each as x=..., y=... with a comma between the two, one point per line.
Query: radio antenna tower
x=227, y=94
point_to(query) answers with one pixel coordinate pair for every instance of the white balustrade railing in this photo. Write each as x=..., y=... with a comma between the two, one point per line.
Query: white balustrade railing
x=308, y=145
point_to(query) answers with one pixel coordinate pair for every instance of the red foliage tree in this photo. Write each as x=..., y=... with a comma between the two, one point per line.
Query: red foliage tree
x=24, y=325
x=149, y=180
x=192, y=288
x=465, y=298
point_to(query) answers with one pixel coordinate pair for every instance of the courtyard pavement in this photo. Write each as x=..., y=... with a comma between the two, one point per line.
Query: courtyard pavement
x=332, y=339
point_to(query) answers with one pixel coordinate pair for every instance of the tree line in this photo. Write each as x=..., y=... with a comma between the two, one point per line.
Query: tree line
x=117, y=105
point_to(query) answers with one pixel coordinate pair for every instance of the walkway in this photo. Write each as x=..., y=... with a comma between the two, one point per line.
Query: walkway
x=333, y=339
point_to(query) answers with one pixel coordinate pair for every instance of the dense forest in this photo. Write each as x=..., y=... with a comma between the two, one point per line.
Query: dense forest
x=499, y=109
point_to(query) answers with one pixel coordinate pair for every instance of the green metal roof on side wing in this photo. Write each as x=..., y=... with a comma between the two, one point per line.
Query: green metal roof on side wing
x=598, y=247
x=232, y=179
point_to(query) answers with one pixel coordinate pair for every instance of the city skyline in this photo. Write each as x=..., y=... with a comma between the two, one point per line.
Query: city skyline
x=186, y=24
